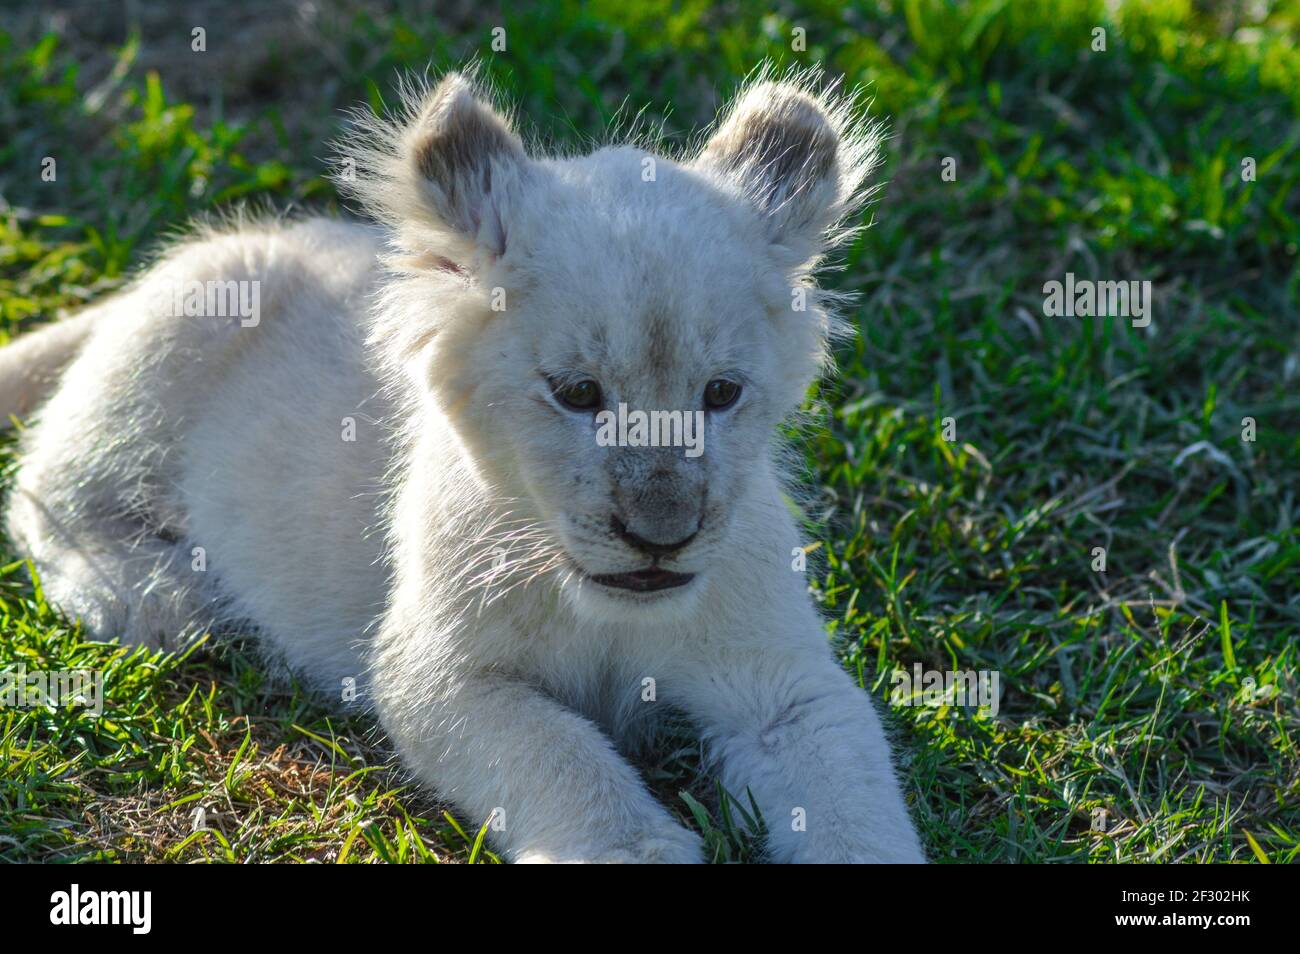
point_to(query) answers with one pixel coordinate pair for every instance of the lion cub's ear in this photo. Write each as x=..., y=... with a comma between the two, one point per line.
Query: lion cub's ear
x=799, y=154
x=443, y=173
x=461, y=148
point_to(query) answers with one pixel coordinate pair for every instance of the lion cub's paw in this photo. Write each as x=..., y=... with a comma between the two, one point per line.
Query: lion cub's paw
x=679, y=847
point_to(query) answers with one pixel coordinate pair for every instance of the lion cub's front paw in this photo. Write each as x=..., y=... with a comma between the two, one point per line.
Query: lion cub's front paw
x=671, y=847
x=899, y=847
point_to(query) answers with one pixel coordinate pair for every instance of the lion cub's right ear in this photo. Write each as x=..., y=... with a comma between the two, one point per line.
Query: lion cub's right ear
x=796, y=148
x=444, y=174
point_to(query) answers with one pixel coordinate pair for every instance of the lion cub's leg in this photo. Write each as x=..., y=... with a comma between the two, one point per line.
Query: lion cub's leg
x=121, y=582
x=790, y=727
x=94, y=504
x=89, y=508
x=546, y=780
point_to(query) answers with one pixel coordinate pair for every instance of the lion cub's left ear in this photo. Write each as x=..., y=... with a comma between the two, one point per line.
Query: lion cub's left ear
x=443, y=173
x=798, y=155
x=465, y=158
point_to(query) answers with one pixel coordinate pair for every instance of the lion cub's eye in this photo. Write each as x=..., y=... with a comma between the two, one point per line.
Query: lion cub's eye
x=577, y=396
x=720, y=393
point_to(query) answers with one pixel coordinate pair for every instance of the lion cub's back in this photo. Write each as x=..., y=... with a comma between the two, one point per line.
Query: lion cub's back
x=282, y=463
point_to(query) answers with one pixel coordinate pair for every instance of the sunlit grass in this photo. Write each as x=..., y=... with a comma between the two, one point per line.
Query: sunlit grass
x=1149, y=711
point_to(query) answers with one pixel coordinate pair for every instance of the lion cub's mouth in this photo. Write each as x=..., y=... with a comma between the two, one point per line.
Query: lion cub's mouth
x=644, y=581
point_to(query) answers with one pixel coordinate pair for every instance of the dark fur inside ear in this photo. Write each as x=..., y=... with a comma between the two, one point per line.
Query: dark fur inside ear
x=785, y=148
x=457, y=141
x=439, y=172
x=798, y=153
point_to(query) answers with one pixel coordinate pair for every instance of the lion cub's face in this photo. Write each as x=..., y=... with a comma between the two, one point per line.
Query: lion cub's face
x=615, y=337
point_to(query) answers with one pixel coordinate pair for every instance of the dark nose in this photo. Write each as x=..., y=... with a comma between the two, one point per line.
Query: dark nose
x=646, y=546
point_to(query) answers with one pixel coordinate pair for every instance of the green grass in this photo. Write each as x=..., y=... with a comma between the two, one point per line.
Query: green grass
x=1161, y=691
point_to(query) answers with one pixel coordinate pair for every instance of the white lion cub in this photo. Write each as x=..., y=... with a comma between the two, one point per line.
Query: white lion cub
x=378, y=448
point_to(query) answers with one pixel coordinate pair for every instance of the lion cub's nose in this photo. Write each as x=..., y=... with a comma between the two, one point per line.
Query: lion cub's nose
x=648, y=547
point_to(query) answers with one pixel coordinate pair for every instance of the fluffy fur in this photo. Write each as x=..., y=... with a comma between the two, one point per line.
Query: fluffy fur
x=189, y=471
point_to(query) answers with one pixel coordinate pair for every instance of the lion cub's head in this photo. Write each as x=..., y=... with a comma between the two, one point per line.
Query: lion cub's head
x=614, y=337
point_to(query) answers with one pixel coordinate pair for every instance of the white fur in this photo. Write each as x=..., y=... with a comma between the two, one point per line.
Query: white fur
x=442, y=559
